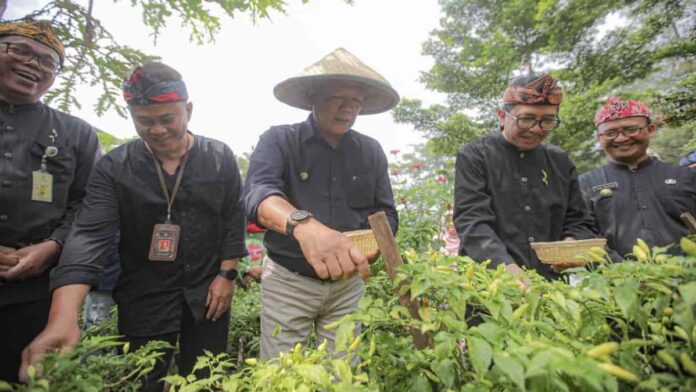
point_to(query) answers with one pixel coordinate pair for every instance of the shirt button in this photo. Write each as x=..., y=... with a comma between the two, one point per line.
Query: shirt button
x=530, y=239
x=527, y=208
x=6, y=183
x=9, y=128
x=643, y=208
x=3, y=217
x=521, y=155
x=333, y=178
x=524, y=180
x=8, y=155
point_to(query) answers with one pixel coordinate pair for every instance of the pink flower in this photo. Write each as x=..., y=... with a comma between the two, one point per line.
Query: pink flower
x=441, y=179
x=417, y=165
x=394, y=152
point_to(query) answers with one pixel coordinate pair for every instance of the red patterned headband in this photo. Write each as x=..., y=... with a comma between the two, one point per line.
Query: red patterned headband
x=139, y=88
x=617, y=108
x=543, y=90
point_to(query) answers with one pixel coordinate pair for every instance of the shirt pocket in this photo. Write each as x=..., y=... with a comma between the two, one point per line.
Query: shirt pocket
x=360, y=189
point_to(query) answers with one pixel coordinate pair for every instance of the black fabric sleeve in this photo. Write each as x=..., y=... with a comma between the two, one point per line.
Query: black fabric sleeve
x=473, y=215
x=92, y=233
x=233, y=246
x=87, y=154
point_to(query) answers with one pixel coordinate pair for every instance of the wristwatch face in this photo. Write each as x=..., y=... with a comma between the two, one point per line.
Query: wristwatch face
x=300, y=215
x=230, y=274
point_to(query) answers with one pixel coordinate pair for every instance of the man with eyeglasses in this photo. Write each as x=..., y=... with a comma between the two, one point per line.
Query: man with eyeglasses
x=511, y=190
x=634, y=196
x=45, y=159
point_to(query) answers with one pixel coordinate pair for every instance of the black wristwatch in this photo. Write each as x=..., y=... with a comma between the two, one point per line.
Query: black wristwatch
x=295, y=219
x=229, y=274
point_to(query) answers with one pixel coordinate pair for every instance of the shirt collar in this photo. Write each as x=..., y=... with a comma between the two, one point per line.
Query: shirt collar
x=621, y=166
x=309, y=131
x=5, y=107
x=144, y=155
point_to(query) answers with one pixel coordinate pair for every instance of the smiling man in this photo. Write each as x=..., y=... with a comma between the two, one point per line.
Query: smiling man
x=176, y=199
x=307, y=183
x=634, y=196
x=511, y=190
x=45, y=160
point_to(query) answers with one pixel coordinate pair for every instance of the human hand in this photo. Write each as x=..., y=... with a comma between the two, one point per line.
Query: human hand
x=31, y=260
x=517, y=272
x=219, y=297
x=331, y=253
x=60, y=336
x=6, y=260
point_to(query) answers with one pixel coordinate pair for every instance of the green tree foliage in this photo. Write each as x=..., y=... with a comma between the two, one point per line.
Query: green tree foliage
x=595, y=47
x=95, y=57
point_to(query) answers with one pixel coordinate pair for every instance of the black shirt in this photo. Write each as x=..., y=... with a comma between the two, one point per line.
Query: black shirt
x=643, y=203
x=124, y=193
x=505, y=198
x=25, y=132
x=341, y=187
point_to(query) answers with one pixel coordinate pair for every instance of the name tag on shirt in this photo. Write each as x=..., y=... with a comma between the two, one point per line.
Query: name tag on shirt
x=42, y=186
x=611, y=185
x=165, y=241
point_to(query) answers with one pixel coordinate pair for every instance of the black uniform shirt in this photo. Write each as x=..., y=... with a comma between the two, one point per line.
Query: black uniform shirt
x=643, y=203
x=124, y=192
x=341, y=187
x=505, y=198
x=25, y=132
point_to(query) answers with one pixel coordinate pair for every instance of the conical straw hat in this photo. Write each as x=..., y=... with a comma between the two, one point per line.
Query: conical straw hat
x=338, y=65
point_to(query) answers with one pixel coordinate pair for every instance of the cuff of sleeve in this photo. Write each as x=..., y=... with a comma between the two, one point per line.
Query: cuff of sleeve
x=60, y=233
x=64, y=275
x=230, y=252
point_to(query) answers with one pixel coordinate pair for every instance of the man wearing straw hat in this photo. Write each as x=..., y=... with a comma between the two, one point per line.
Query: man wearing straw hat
x=309, y=182
x=511, y=190
x=635, y=196
x=45, y=159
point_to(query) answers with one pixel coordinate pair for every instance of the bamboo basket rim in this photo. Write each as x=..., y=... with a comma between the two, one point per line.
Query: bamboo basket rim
x=565, y=251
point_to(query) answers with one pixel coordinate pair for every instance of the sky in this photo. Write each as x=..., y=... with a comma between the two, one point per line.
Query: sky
x=230, y=81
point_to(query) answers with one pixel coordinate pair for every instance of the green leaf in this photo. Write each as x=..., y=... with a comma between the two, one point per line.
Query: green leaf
x=625, y=296
x=511, y=367
x=480, y=354
x=688, y=293
x=314, y=373
x=420, y=384
x=445, y=371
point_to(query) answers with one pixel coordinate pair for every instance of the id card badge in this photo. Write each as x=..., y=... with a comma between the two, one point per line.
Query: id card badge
x=165, y=241
x=42, y=186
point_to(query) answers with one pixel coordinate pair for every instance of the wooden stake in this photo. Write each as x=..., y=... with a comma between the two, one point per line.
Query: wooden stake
x=392, y=260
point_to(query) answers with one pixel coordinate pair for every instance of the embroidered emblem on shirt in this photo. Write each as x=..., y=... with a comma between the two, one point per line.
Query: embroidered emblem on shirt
x=606, y=192
x=53, y=136
x=611, y=185
x=304, y=176
x=544, y=177
x=670, y=181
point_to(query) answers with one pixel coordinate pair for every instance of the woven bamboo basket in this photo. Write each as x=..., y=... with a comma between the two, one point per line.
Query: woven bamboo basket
x=565, y=251
x=364, y=240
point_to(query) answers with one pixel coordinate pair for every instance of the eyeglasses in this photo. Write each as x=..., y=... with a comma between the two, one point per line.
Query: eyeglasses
x=547, y=124
x=628, y=132
x=24, y=54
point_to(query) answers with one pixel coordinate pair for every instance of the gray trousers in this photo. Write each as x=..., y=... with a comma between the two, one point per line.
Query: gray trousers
x=293, y=305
